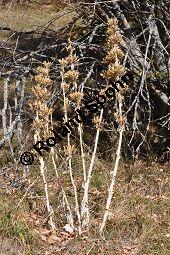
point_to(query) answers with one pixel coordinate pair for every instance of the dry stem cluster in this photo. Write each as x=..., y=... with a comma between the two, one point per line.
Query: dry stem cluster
x=79, y=218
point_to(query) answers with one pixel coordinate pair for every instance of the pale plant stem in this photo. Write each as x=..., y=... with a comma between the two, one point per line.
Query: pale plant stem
x=74, y=187
x=70, y=157
x=53, y=153
x=42, y=171
x=113, y=179
x=49, y=209
x=82, y=152
x=4, y=110
x=54, y=164
x=82, y=156
x=110, y=191
x=42, y=121
x=70, y=217
x=85, y=207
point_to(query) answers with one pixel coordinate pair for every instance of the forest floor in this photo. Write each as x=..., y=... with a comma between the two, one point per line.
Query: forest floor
x=138, y=223
x=34, y=16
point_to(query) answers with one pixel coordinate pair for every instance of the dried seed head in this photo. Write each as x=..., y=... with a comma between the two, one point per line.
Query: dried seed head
x=40, y=104
x=115, y=38
x=44, y=70
x=47, y=81
x=96, y=120
x=120, y=119
x=37, y=104
x=40, y=79
x=64, y=61
x=114, y=71
x=69, y=47
x=76, y=97
x=114, y=54
x=65, y=86
x=47, y=64
x=38, y=92
x=74, y=59
x=72, y=75
x=37, y=124
x=102, y=92
x=45, y=110
x=69, y=150
x=112, y=27
x=112, y=23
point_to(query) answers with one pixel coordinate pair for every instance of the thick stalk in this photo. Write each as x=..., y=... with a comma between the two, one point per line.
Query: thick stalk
x=85, y=207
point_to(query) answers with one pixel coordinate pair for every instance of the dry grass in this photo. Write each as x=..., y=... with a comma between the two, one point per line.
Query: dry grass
x=9, y=246
x=138, y=223
x=18, y=17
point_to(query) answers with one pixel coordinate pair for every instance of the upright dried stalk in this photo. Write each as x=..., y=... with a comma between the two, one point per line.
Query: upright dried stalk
x=110, y=191
x=70, y=215
x=41, y=122
x=72, y=75
x=76, y=96
x=85, y=206
x=4, y=110
x=114, y=72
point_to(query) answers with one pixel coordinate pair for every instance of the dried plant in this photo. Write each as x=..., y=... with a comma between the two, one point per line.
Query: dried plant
x=114, y=72
x=41, y=123
x=85, y=214
x=72, y=76
x=75, y=173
